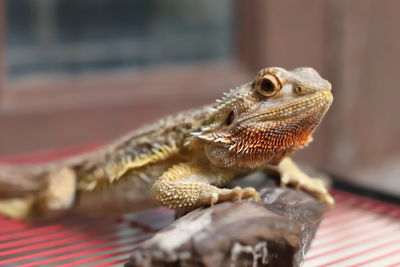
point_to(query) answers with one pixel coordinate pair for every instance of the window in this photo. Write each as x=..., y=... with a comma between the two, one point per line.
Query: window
x=72, y=36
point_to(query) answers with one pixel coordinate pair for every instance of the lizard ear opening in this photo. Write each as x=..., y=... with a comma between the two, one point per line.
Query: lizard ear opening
x=230, y=118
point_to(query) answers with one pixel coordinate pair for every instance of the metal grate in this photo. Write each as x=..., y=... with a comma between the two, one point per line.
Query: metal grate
x=77, y=241
x=358, y=232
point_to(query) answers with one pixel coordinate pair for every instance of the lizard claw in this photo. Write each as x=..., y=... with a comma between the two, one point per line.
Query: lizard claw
x=237, y=193
x=213, y=198
x=250, y=192
x=314, y=186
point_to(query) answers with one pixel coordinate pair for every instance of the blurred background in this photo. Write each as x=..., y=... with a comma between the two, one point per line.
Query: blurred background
x=74, y=72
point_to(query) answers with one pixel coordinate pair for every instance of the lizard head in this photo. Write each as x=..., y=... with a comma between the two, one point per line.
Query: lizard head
x=263, y=120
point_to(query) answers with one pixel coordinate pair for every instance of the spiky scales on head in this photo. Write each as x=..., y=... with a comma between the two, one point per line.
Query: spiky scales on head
x=263, y=120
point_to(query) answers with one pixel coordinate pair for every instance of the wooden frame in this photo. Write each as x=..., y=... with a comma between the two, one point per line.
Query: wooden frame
x=125, y=87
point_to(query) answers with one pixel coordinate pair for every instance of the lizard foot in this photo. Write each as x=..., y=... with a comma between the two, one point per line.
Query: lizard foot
x=236, y=193
x=314, y=186
x=292, y=175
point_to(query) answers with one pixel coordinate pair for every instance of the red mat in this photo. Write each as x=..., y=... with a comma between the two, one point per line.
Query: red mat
x=358, y=232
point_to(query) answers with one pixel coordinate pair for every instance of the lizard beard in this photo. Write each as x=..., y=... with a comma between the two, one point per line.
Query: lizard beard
x=253, y=146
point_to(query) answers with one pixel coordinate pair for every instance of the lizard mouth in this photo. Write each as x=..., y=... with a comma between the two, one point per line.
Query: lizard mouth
x=315, y=103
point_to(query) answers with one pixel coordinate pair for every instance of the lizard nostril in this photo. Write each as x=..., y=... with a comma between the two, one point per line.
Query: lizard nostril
x=230, y=118
x=298, y=89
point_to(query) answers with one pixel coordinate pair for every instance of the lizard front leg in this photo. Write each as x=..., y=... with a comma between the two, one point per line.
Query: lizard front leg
x=187, y=186
x=292, y=175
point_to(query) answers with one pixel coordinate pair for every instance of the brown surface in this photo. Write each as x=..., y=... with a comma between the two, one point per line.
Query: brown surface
x=364, y=126
x=367, y=81
x=283, y=33
x=2, y=52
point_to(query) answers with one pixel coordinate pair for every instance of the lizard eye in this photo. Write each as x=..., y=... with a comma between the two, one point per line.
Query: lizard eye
x=268, y=86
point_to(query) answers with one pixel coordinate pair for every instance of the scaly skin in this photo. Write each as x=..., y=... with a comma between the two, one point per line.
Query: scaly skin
x=184, y=160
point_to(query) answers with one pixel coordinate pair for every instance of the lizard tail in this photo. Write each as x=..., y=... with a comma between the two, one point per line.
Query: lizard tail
x=32, y=192
x=20, y=181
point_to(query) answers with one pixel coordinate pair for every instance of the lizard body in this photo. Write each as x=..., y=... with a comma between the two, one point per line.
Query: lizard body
x=182, y=161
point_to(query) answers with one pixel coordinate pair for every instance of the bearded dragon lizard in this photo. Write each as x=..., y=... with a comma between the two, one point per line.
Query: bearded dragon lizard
x=184, y=160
